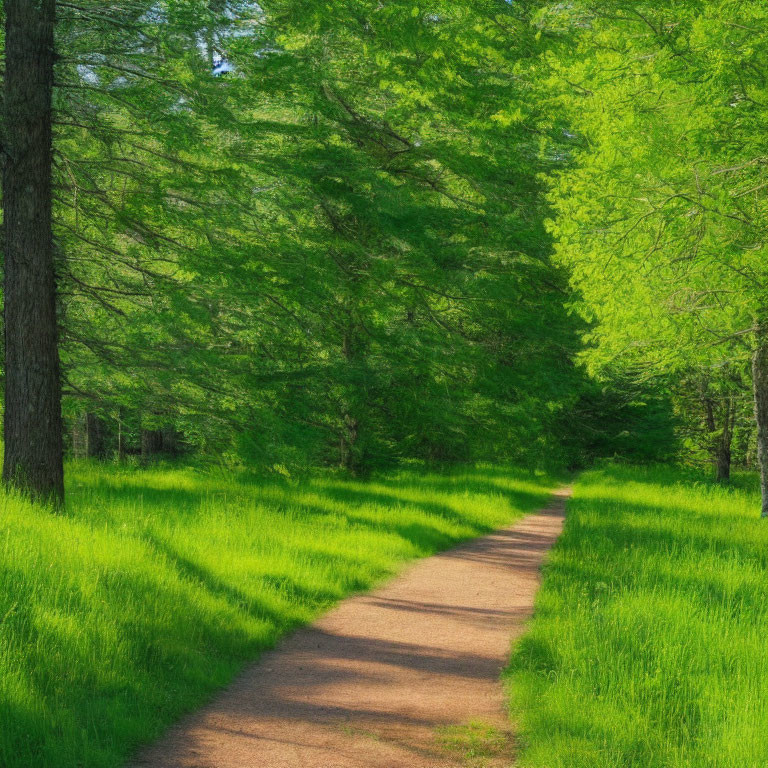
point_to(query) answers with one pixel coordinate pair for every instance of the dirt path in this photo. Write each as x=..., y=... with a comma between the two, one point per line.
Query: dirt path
x=404, y=677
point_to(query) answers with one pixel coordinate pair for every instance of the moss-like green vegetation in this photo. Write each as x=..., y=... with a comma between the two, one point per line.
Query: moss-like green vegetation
x=155, y=587
x=649, y=648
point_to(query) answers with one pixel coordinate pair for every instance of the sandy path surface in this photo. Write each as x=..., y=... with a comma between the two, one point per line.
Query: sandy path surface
x=403, y=677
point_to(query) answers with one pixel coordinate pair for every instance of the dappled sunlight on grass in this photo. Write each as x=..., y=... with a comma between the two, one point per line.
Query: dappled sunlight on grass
x=649, y=645
x=155, y=587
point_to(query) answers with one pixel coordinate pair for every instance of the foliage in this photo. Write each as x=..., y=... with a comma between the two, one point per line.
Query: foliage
x=656, y=116
x=309, y=236
x=620, y=419
x=660, y=216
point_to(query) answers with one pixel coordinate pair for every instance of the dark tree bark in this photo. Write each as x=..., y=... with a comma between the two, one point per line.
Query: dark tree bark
x=720, y=446
x=724, y=446
x=151, y=443
x=33, y=424
x=170, y=438
x=95, y=436
x=349, y=458
x=760, y=385
x=723, y=465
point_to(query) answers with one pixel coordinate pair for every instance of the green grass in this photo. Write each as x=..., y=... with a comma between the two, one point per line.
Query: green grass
x=649, y=648
x=156, y=587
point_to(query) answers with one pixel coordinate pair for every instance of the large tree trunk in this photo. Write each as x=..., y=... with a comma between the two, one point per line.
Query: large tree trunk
x=760, y=384
x=33, y=426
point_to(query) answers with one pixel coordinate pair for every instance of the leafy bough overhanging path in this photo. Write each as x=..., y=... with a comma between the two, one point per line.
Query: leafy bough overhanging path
x=403, y=677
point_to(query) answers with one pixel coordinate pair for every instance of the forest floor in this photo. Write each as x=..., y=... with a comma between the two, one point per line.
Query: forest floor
x=404, y=677
x=155, y=587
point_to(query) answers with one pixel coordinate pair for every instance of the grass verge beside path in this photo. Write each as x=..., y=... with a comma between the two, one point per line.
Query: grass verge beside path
x=155, y=587
x=649, y=648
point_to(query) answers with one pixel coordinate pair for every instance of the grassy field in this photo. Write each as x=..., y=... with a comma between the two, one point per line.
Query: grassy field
x=650, y=644
x=156, y=586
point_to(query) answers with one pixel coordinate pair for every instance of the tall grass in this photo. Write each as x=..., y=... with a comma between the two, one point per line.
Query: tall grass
x=155, y=587
x=650, y=644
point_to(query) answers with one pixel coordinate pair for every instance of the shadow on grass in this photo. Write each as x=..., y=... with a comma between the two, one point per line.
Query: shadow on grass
x=127, y=626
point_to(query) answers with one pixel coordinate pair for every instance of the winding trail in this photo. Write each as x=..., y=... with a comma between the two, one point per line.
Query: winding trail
x=403, y=677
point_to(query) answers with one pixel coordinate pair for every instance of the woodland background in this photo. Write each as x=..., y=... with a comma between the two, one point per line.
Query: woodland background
x=301, y=234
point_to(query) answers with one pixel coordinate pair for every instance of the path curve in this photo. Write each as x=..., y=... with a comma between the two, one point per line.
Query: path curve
x=406, y=676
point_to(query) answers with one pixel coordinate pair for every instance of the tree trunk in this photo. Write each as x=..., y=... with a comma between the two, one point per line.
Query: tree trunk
x=723, y=464
x=720, y=439
x=760, y=384
x=170, y=440
x=33, y=424
x=725, y=442
x=151, y=443
x=95, y=437
x=348, y=447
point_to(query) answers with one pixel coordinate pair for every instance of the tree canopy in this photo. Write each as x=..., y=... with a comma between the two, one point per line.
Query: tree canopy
x=294, y=234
